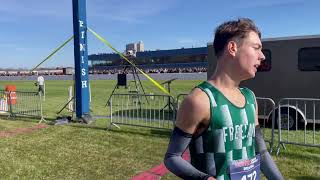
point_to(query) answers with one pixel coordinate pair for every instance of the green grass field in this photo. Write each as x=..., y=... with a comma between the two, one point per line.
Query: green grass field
x=78, y=151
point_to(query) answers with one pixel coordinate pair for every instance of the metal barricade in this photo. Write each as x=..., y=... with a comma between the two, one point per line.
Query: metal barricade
x=144, y=110
x=4, y=107
x=266, y=115
x=18, y=103
x=266, y=107
x=180, y=98
x=296, y=122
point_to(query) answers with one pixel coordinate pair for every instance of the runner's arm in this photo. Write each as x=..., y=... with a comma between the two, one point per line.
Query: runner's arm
x=267, y=165
x=189, y=118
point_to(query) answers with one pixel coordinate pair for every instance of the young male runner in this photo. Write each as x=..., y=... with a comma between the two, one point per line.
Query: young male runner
x=219, y=117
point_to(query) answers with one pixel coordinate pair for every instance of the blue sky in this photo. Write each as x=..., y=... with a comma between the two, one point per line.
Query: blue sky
x=32, y=29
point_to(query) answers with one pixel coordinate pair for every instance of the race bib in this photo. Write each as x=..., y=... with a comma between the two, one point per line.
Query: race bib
x=246, y=169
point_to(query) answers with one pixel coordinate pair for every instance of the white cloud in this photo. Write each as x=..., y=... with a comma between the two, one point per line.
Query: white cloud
x=12, y=46
x=128, y=11
x=188, y=42
x=113, y=10
x=262, y=3
x=16, y=9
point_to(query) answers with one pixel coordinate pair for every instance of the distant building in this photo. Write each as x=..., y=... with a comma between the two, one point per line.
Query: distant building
x=131, y=49
x=68, y=71
x=140, y=46
x=184, y=57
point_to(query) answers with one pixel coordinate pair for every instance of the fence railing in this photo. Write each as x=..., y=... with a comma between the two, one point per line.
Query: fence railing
x=287, y=119
x=266, y=115
x=4, y=101
x=293, y=116
x=155, y=111
x=18, y=103
x=266, y=106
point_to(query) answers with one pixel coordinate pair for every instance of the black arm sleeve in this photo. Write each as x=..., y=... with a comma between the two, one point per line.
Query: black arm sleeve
x=267, y=166
x=201, y=160
x=173, y=161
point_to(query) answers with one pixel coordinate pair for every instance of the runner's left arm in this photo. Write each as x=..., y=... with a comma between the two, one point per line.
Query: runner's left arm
x=267, y=165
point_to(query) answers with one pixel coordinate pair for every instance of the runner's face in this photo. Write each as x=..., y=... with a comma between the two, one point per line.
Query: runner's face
x=249, y=55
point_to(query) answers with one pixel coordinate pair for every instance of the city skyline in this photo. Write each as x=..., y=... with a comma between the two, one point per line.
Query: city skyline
x=32, y=29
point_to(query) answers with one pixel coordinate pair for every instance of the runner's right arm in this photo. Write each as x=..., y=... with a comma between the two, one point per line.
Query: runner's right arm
x=191, y=115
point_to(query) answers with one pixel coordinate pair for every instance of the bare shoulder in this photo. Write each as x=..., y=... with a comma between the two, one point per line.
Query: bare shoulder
x=199, y=98
x=194, y=111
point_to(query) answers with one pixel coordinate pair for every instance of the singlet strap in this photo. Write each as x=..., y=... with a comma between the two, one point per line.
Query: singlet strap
x=251, y=98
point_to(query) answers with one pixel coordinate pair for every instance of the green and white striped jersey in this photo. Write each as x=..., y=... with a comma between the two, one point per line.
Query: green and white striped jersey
x=230, y=135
